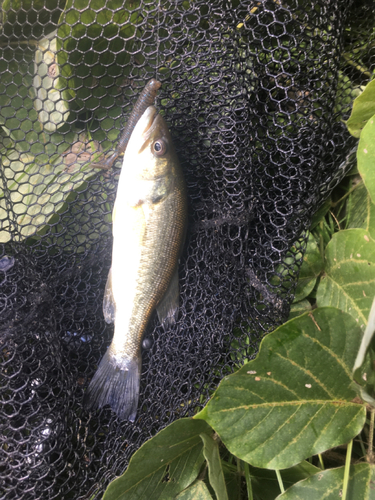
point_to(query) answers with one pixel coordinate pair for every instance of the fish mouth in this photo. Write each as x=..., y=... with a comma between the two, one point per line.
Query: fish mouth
x=150, y=120
x=149, y=116
x=144, y=131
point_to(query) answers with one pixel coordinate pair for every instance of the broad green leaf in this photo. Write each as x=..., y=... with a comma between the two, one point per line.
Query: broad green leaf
x=328, y=485
x=96, y=40
x=215, y=471
x=266, y=486
x=18, y=118
x=311, y=267
x=320, y=213
x=164, y=466
x=294, y=400
x=360, y=210
x=291, y=264
x=299, y=308
x=27, y=19
x=366, y=156
x=363, y=369
x=363, y=110
x=233, y=482
x=367, y=337
x=349, y=279
x=197, y=491
x=37, y=191
x=52, y=109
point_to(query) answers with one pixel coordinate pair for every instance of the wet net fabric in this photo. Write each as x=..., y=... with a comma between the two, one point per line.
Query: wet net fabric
x=254, y=94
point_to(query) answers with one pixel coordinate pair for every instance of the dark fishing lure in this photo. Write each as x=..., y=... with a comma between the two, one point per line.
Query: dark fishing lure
x=145, y=99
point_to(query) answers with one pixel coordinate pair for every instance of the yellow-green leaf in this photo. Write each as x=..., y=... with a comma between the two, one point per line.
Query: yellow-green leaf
x=215, y=471
x=311, y=267
x=295, y=399
x=361, y=210
x=197, y=491
x=366, y=156
x=328, y=485
x=349, y=280
x=363, y=110
x=299, y=308
x=164, y=466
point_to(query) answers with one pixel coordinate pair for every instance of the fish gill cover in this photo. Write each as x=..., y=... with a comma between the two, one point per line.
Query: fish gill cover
x=254, y=94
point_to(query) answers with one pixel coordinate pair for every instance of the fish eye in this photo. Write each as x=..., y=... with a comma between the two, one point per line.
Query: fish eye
x=159, y=147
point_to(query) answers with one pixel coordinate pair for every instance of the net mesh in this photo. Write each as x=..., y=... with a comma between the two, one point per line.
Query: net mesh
x=254, y=94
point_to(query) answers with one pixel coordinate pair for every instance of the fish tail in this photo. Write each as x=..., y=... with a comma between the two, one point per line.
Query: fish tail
x=117, y=385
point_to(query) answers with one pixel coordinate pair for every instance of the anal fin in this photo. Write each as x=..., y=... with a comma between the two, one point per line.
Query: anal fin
x=167, y=308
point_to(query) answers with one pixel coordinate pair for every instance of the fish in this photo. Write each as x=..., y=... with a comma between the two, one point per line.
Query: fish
x=149, y=224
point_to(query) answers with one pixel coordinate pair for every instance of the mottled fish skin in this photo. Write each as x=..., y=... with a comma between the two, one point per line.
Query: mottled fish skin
x=149, y=221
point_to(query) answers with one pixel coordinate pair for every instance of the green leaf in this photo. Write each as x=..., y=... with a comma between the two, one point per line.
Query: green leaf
x=266, y=486
x=164, y=466
x=366, y=340
x=96, y=40
x=29, y=19
x=294, y=400
x=366, y=157
x=311, y=268
x=363, y=110
x=197, y=491
x=233, y=483
x=38, y=191
x=215, y=472
x=363, y=370
x=328, y=485
x=299, y=308
x=360, y=210
x=17, y=113
x=349, y=278
x=52, y=109
x=345, y=95
x=320, y=213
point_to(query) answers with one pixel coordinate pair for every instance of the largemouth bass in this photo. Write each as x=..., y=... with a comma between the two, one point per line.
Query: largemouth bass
x=149, y=219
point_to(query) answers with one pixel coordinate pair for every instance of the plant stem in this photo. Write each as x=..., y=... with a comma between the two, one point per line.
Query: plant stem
x=370, y=453
x=361, y=444
x=280, y=480
x=337, y=222
x=321, y=461
x=239, y=474
x=321, y=241
x=347, y=468
x=248, y=481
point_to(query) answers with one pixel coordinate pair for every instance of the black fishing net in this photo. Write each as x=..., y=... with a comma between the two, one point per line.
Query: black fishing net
x=255, y=94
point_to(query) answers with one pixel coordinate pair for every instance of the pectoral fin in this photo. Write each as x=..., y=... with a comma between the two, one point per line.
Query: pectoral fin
x=109, y=307
x=168, y=306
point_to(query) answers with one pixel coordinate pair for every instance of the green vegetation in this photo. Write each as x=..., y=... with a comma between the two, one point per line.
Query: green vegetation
x=297, y=422
x=291, y=424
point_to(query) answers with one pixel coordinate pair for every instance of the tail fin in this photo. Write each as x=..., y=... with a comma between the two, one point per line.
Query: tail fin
x=115, y=385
